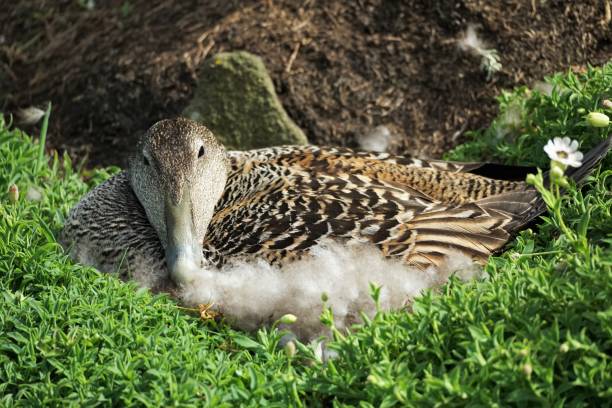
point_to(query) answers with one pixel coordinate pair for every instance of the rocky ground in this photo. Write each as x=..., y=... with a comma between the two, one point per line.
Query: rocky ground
x=340, y=68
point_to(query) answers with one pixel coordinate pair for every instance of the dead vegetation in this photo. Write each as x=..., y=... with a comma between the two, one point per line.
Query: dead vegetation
x=340, y=68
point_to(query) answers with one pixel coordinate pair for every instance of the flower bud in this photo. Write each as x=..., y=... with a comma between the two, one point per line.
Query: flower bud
x=606, y=103
x=581, y=111
x=375, y=380
x=288, y=319
x=531, y=179
x=290, y=348
x=527, y=369
x=13, y=193
x=564, y=348
x=554, y=164
x=597, y=119
x=556, y=173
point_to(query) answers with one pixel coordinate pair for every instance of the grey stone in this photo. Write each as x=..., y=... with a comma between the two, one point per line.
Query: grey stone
x=235, y=98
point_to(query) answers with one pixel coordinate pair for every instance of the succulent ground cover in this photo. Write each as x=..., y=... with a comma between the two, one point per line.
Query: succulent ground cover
x=536, y=331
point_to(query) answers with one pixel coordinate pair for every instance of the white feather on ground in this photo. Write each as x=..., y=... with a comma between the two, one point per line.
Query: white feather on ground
x=33, y=194
x=377, y=140
x=509, y=122
x=543, y=87
x=471, y=42
x=252, y=294
x=30, y=115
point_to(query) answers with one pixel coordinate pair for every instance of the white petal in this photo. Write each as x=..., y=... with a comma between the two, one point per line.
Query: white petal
x=557, y=141
x=578, y=156
x=567, y=141
x=550, y=151
x=548, y=148
x=574, y=145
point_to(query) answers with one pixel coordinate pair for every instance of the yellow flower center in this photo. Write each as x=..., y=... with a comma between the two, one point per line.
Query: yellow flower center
x=562, y=154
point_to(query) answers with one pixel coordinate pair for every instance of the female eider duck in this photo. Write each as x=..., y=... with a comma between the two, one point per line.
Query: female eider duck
x=187, y=203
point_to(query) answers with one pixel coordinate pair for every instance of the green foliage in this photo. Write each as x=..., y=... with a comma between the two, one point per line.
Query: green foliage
x=528, y=119
x=536, y=331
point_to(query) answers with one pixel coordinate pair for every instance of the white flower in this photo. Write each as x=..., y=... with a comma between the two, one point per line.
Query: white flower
x=564, y=151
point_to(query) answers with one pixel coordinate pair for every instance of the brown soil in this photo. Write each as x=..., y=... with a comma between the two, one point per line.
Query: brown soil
x=340, y=67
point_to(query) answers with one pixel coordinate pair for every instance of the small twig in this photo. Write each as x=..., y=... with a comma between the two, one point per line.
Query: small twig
x=9, y=72
x=541, y=253
x=188, y=309
x=202, y=37
x=200, y=55
x=459, y=132
x=205, y=51
x=299, y=26
x=393, y=38
x=207, y=312
x=330, y=17
x=43, y=137
x=294, y=54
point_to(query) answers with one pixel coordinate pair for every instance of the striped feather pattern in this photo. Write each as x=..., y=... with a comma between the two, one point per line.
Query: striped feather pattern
x=281, y=201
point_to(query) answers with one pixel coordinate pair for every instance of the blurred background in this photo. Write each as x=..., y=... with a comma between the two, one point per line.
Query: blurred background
x=418, y=74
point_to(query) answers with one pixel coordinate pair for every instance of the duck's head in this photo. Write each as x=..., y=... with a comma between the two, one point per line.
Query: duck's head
x=178, y=173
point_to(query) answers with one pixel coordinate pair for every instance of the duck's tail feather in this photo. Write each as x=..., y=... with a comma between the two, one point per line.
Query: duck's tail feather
x=482, y=227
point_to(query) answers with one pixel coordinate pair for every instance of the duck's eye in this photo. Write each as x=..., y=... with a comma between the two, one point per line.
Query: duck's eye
x=201, y=152
x=145, y=160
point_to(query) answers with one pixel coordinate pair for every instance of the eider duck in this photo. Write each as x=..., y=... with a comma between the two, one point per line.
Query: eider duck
x=186, y=203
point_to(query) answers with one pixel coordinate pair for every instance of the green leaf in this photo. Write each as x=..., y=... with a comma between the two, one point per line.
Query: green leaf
x=246, y=342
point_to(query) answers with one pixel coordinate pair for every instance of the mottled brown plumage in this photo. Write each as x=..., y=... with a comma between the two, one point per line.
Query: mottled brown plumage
x=279, y=202
x=284, y=200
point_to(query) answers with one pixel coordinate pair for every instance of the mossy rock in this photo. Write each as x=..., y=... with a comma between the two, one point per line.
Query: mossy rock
x=235, y=98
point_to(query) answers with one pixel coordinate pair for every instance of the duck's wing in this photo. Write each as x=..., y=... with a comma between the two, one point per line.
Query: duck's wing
x=352, y=161
x=448, y=182
x=474, y=229
x=280, y=202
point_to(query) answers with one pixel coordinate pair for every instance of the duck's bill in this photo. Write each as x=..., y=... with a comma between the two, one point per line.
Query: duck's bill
x=183, y=249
